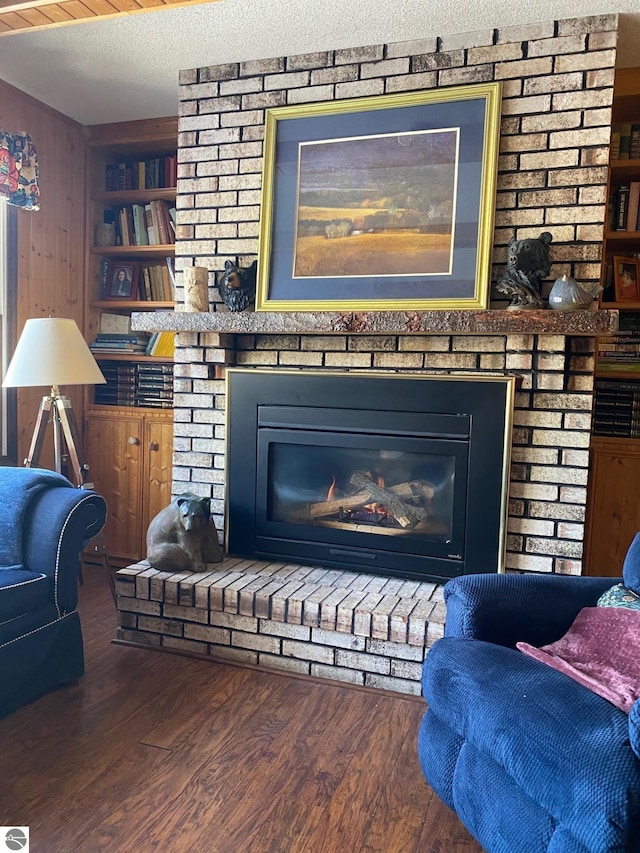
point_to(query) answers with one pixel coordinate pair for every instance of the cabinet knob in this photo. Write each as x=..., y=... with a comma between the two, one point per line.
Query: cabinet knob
x=153, y=445
x=133, y=440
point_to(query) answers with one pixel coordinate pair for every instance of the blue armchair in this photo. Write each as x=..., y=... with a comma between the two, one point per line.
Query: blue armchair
x=44, y=524
x=529, y=759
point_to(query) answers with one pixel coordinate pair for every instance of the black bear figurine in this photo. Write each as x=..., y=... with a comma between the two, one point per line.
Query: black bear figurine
x=527, y=264
x=182, y=537
x=237, y=286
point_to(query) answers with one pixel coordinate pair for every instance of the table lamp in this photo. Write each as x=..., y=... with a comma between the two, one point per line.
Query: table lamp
x=51, y=351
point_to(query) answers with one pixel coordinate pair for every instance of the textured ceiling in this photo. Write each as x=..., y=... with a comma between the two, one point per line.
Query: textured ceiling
x=127, y=68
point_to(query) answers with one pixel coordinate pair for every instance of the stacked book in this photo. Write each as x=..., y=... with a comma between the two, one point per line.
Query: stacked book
x=148, y=174
x=128, y=384
x=626, y=207
x=110, y=342
x=155, y=385
x=620, y=353
x=617, y=408
x=161, y=344
x=150, y=224
x=120, y=389
x=157, y=282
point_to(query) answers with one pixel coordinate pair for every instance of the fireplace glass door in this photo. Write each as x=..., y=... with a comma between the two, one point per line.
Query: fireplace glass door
x=394, y=491
x=402, y=476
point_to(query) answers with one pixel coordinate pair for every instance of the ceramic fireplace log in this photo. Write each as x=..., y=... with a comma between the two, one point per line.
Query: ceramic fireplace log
x=322, y=508
x=404, y=514
x=408, y=490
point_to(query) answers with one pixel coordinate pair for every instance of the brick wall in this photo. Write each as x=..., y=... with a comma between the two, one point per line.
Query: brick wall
x=556, y=111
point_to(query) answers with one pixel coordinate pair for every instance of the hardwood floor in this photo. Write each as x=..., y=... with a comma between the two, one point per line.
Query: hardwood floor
x=155, y=752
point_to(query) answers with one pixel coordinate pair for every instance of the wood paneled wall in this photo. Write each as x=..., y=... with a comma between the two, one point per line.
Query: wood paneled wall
x=51, y=241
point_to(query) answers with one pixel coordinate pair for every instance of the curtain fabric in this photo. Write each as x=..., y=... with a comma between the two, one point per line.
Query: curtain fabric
x=19, y=170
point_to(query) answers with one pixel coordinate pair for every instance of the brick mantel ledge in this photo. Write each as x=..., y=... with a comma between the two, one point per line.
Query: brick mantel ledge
x=492, y=322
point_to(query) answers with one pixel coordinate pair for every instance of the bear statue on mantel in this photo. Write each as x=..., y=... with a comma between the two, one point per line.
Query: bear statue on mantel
x=527, y=265
x=182, y=537
x=237, y=286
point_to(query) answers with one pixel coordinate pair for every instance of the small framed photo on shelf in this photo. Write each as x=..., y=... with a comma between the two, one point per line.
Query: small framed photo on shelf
x=626, y=276
x=122, y=279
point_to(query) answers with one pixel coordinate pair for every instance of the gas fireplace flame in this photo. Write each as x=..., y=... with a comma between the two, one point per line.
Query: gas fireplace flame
x=332, y=489
x=377, y=508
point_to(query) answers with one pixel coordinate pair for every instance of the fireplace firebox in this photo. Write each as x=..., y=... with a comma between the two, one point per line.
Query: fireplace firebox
x=401, y=475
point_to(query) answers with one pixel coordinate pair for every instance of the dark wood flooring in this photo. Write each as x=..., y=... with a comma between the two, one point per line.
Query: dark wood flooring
x=156, y=752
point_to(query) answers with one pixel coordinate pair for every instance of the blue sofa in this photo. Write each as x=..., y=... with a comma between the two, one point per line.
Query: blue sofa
x=44, y=524
x=528, y=758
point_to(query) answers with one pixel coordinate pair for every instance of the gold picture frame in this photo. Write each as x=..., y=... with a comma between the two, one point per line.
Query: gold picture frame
x=626, y=278
x=380, y=203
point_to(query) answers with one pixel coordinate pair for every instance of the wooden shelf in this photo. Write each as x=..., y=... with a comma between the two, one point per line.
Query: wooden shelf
x=623, y=167
x=136, y=196
x=141, y=136
x=627, y=305
x=612, y=441
x=622, y=235
x=134, y=251
x=131, y=356
x=132, y=305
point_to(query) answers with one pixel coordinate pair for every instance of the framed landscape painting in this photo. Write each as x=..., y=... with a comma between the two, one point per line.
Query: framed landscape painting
x=380, y=203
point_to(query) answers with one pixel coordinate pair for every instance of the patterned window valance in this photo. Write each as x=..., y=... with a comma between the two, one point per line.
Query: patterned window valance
x=19, y=170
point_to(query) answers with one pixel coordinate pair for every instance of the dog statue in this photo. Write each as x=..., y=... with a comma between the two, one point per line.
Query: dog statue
x=182, y=537
x=237, y=286
x=527, y=265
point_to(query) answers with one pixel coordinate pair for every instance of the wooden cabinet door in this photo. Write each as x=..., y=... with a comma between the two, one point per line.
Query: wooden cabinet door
x=114, y=447
x=158, y=470
x=614, y=505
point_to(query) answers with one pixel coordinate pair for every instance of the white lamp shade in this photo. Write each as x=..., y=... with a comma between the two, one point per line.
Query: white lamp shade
x=52, y=351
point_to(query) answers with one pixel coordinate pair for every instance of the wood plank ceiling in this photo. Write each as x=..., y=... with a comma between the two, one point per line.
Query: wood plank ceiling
x=23, y=15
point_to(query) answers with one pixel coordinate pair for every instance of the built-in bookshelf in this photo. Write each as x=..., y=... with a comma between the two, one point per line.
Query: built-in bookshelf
x=132, y=222
x=621, y=248
x=128, y=423
x=614, y=452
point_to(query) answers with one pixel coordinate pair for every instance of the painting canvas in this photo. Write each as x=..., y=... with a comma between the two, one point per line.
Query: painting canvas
x=391, y=195
x=382, y=203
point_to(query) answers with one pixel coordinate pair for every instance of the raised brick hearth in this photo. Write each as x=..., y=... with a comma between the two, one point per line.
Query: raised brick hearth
x=556, y=114
x=366, y=630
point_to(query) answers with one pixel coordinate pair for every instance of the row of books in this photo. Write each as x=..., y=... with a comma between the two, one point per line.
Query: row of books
x=625, y=141
x=150, y=174
x=157, y=282
x=620, y=352
x=150, y=224
x=155, y=385
x=146, y=385
x=161, y=344
x=626, y=207
x=111, y=342
x=617, y=408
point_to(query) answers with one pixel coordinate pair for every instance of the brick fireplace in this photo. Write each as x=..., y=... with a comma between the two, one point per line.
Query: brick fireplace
x=396, y=475
x=557, y=91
